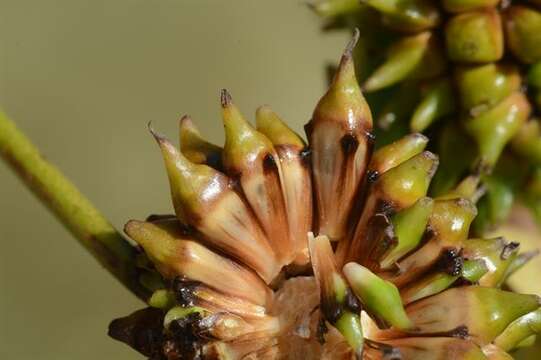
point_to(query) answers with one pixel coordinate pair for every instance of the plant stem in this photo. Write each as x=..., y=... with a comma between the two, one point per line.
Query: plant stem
x=74, y=210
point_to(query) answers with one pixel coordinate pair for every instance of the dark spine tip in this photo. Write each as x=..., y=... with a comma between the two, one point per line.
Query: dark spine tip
x=508, y=249
x=349, y=144
x=372, y=176
x=451, y=262
x=352, y=43
x=225, y=98
x=157, y=136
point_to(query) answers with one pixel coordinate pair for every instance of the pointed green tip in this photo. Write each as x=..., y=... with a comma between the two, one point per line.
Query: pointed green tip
x=380, y=297
x=187, y=125
x=345, y=75
x=155, y=241
x=272, y=126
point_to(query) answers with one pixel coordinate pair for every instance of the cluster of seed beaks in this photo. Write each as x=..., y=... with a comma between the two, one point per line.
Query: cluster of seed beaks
x=468, y=72
x=326, y=251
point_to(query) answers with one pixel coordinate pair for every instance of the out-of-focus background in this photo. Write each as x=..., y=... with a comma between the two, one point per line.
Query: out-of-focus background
x=82, y=79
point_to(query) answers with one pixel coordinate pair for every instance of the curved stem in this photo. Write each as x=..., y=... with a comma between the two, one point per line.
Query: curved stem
x=74, y=210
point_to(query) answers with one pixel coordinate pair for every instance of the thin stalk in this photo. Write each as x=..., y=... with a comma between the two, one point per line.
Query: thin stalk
x=74, y=210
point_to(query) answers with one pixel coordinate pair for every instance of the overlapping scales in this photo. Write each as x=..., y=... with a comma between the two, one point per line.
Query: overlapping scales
x=282, y=250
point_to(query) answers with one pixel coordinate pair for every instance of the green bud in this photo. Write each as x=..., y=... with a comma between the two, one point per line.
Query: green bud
x=467, y=5
x=475, y=37
x=162, y=299
x=396, y=189
x=450, y=222
x=534, y=75
x=496, y=205
x=523, y=30
x=394, y=154
x=380, y=298
x=333, y=8
x=527, y=141
x=519, y=330
x=417, y=56
x=409, y=16
x=497, y=254
x=437, y=102
x=495, y=127
x=409, y=226
x=195, y=148
x=473, y=270
x=481, y=87
x=454, y=149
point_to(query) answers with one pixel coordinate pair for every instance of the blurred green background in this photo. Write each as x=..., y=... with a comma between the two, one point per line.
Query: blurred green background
x=82, y=79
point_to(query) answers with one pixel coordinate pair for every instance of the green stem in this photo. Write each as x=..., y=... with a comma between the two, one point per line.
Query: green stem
x=75, y=211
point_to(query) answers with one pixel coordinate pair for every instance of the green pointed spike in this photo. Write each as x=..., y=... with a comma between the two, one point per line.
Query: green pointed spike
x=475, y=37
x=519, y=330
x=407, y=58
x=410, y=16
x=495, y=127
x=409, y=226
x=436, y=103
x=523, y=30
x=275, y=129
x=394, y=154
x=484, y=312
x=481, y=87
x=195, y=148
x=379, y=297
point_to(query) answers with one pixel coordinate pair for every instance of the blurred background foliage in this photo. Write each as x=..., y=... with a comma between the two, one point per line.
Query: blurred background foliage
x=82, y=79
